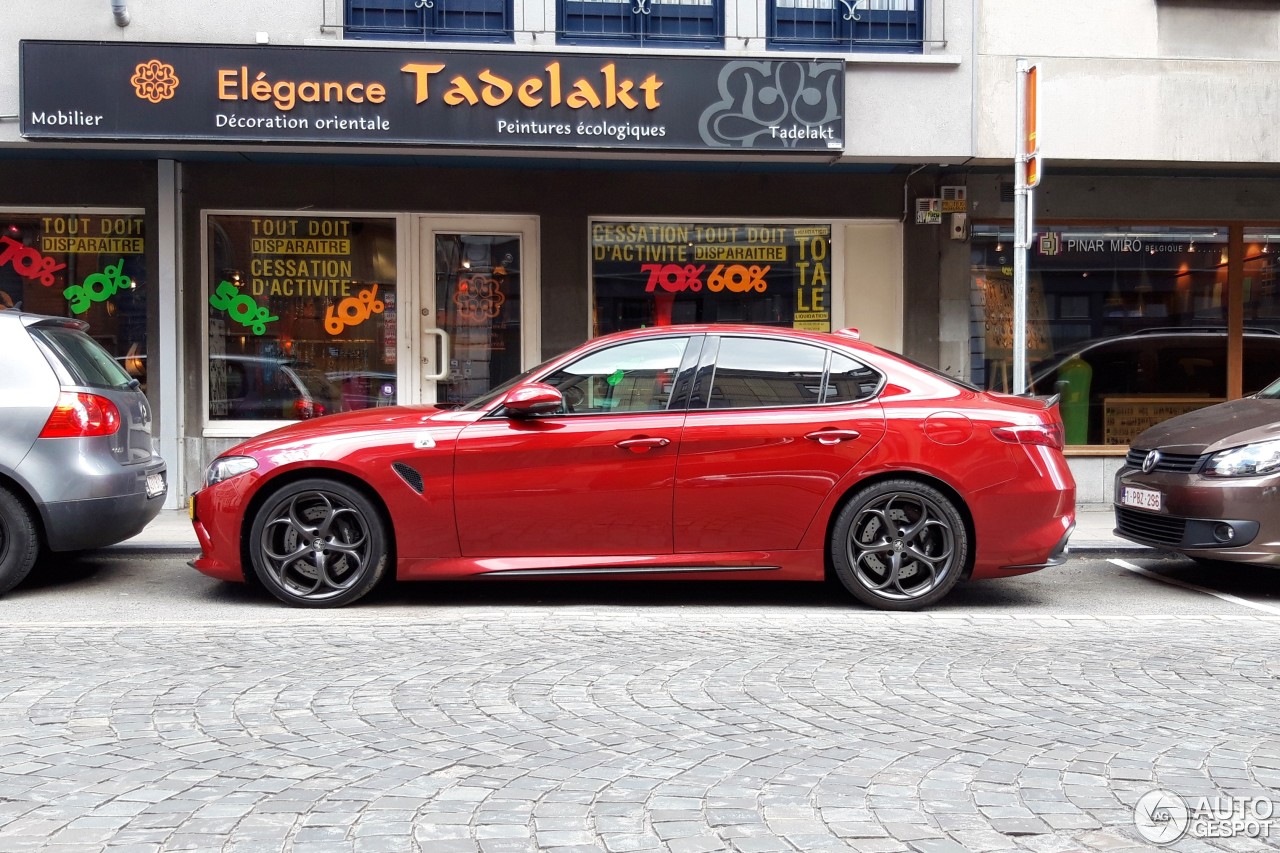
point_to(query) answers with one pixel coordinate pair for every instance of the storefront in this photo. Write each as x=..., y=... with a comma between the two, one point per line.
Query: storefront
x=322, y=268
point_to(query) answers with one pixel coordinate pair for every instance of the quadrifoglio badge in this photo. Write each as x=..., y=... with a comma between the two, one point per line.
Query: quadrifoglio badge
x=1163, y=817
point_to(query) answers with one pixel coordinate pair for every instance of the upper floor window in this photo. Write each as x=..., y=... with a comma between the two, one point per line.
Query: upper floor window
x=429, y=20
x=658, y=22
x=847, y=25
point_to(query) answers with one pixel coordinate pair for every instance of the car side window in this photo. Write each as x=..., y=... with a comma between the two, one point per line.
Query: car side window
x=756, y=373
x=849, y=380
x=631, y=377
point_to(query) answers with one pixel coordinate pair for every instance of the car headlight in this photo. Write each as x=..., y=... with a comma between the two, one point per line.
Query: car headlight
x=1248, y=461
x=226, y=467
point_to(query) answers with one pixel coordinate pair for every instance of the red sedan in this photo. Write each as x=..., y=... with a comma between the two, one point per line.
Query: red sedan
x=731, y=452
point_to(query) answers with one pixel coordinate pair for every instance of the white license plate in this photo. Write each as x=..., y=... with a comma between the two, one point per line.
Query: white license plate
x=1140, y=498
x=155, y=484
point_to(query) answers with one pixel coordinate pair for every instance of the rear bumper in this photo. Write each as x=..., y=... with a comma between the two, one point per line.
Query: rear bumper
x=77, y=525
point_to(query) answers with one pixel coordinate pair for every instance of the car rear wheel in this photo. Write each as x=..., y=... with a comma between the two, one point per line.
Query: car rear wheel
x=899, y=545
x=318, y=543
x=19, y=541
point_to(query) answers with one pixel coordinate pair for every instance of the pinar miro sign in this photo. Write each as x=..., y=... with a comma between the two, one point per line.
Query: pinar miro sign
x=302, y=95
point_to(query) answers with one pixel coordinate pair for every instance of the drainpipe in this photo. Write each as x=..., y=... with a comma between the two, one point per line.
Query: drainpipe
x=122, y=14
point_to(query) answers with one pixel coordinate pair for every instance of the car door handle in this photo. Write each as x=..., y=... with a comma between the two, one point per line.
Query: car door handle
x=643, y=444
x=833, y=436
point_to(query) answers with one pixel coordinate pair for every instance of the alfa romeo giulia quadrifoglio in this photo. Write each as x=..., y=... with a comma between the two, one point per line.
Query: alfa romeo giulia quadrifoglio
x=697, y=452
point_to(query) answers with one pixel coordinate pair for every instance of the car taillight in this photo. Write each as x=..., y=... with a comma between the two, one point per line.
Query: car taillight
x=80, y=415
x=307, y=409
x=1048, y=435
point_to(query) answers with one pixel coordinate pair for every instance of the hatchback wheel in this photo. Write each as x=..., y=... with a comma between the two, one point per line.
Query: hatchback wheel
x=318, y=543
x=19, y=541
x=899, y=545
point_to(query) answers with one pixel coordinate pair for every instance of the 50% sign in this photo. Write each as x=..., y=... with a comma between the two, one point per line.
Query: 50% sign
x=736, y=278
x=353, y=310
x=241, y=307
x=28, y=262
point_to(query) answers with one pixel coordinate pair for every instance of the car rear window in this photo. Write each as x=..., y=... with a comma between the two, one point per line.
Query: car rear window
x=83, y=359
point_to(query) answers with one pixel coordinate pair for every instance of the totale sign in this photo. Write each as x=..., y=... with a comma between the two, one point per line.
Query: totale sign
x=373, y=96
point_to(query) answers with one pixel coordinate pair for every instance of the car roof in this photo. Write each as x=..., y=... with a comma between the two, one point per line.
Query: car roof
x=847, y=337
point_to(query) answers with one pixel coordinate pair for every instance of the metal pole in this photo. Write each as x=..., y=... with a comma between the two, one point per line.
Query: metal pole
x=1021, y=234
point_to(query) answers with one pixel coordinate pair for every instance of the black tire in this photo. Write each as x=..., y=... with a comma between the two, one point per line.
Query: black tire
x=899, y=545
x=318, y=543
x=19, y=540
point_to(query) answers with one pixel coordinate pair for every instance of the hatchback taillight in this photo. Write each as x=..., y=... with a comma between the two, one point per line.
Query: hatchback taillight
x=1048, y=435
x=80, y=415
x=307, y=409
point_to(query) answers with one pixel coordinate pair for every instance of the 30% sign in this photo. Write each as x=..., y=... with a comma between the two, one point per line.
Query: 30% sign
x=736, y=278
x=97, y=287
x=353, y=310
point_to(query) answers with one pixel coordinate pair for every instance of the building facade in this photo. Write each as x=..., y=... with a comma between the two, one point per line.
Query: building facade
x=291, y=209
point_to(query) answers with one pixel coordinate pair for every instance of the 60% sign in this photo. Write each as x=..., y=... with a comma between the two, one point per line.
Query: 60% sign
x=353, y=310
x=736, y=278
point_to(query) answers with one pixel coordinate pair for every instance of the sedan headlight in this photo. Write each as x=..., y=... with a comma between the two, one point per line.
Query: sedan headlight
x=226, y=467
x=1248, y=461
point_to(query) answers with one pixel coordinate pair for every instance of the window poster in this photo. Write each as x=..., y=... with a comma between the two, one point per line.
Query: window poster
x=86, y=265
x=301, y=310
x=663, y=273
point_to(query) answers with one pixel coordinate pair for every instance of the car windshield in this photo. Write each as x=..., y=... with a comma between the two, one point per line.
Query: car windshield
x=1271, y=392
x=83, y=358
x=486, y=400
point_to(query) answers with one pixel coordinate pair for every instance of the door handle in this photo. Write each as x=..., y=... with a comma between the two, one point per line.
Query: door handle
x=831, y=437
x=642, y=444
x=443, y=373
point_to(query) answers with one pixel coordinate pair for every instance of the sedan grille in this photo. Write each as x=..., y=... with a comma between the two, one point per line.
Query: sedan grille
x=1173, y=463
x=1150, y=527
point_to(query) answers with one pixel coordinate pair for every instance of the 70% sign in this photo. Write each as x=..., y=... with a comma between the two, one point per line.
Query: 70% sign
x=736, y=278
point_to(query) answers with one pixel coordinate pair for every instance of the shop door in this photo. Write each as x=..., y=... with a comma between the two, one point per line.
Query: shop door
x=479, y=301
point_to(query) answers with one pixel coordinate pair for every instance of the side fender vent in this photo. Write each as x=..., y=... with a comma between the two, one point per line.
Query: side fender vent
x=409, y=474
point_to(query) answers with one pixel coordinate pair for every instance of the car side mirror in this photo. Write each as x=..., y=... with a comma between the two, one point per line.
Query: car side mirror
x=533, y=398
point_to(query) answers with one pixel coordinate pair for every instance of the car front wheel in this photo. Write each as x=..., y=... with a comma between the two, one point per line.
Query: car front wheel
x=318, y=543
x=899, y=545
x=19, y=541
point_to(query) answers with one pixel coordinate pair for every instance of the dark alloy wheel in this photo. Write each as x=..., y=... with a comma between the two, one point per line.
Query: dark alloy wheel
x=19, y=541
x=318, y=543
x=899, y=545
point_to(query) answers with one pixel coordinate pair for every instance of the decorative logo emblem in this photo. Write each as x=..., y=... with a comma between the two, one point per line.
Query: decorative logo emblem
x=1161, y=817
x=479, y=298
x=154, y=81
x=1051, y=243
x=1151, y=461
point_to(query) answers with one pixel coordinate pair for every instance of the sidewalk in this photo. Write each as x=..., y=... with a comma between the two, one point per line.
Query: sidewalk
x=171, y=531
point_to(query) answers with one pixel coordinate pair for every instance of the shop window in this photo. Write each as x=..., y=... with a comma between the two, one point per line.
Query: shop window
x=1128, y=325
x=634, y=377
x=753, y=373
x=429, y=20
x=86, y=265
x=847, y=25
x=301, y=316
x=664, y=273
x=657, y=22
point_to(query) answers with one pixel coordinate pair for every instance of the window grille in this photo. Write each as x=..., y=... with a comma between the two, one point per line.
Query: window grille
x=847, y=25
x=429, y=20
x=658, y=22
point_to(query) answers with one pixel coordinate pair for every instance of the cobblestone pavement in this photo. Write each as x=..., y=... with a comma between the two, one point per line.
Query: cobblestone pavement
x=704, y=729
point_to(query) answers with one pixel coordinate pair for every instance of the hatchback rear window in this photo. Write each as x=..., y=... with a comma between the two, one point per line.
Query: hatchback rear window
x=83, y=359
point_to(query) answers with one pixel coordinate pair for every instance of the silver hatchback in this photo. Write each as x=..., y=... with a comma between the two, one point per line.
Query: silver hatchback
x=76, y=466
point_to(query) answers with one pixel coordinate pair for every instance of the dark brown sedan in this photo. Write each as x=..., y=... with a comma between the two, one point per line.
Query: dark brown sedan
x=1207, y=483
